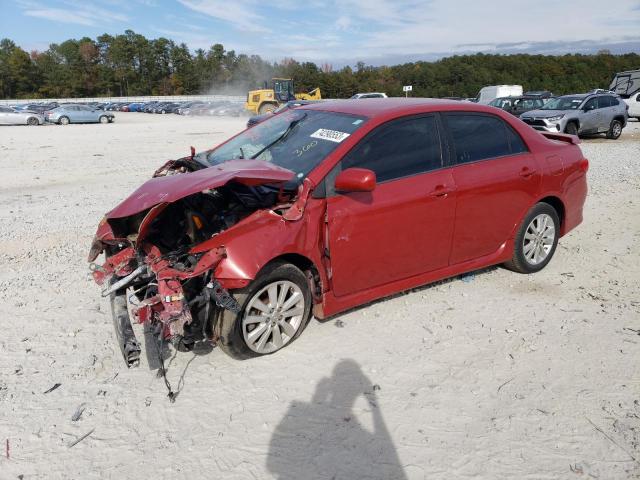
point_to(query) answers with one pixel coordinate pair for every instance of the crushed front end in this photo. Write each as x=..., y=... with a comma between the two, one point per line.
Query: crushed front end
x=150, y=272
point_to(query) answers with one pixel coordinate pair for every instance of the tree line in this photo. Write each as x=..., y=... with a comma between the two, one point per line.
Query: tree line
x=130, y=64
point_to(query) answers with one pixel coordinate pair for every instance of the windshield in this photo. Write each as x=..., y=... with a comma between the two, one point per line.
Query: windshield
x=563, y=103
x=297, y=140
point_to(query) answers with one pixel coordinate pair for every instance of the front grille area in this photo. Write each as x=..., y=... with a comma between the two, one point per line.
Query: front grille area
x=531, y=121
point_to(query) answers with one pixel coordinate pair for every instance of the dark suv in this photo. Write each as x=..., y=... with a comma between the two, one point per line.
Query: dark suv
x=518, y=105
x=581, y=114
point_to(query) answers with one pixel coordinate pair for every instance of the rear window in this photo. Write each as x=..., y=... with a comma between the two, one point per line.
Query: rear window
x=479, y=137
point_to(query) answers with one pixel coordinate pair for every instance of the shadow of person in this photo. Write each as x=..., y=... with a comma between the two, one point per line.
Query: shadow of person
x=327, y=438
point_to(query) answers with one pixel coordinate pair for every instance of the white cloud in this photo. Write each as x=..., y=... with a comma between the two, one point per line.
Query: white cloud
x=80, y=13
x=239, y=13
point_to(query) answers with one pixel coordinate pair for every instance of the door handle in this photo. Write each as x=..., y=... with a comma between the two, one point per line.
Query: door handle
x=441, y=191
x=526, y=172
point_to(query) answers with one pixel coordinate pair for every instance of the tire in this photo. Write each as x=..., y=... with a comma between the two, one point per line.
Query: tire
x=524, y=256
x=235, y=332
x=615, y=130
x=103, y=119
x=64, y=121
x=571, y=128
x=32, y=121
x=266, y=108
x=163, y=111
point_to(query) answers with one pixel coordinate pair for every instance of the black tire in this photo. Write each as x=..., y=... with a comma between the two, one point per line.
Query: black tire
x=32, y=121
x=519, y=263
x=615, y=130
x=64, y=121
x=266, y=108
x=229, y=327
x=571, y=128
x=103, y=119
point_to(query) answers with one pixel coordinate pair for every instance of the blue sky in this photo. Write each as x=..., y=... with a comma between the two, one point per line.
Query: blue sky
x=337, y=32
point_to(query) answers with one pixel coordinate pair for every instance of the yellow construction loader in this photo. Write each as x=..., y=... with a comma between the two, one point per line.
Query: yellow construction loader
x=268, y=99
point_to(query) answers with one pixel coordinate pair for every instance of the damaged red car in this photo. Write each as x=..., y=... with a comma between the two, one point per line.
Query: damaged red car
x=328, y=207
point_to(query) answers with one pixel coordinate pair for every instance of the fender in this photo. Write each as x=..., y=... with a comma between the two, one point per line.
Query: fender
x=262, y=237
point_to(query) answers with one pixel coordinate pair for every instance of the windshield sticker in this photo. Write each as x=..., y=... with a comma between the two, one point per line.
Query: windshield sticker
x=331, y=135
x=357, y=122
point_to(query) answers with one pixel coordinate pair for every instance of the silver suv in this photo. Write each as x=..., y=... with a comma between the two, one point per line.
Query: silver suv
x=580, y=115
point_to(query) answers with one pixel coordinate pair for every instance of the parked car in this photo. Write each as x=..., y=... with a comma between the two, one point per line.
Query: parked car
x=580, y=114
x=486, y=94
x=369, y=95
x=634, y=106
x=66, y=114
x=40, y=107
x=329, y=206
x=256, y=119
x=11, y=116
x=518, y=105
x=542, y=94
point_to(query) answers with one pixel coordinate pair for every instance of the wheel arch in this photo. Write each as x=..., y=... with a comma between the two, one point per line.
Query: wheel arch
x=307, y=266
x=558, y=206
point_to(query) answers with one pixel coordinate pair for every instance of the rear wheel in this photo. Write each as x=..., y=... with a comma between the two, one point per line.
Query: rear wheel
x=536, y=240
x=571, y=128
x=63, y=121
x=266, y=108
x=32, y=121
x=275, y=309
x=615, y=130
x=104, y=119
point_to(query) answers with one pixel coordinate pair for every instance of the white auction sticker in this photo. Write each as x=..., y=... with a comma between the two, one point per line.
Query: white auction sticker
x=331, y=135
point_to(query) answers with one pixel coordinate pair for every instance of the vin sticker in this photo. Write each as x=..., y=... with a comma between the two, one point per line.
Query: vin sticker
x=331, y=135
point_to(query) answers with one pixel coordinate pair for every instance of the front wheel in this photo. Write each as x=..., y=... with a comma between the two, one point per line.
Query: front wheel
x=275, y=309
x=536, y=239
x=104, y=119
x=266, y=108
x=571, y=129
x=615, y=130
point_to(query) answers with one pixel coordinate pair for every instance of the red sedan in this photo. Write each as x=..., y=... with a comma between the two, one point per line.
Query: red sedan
x=327, y=207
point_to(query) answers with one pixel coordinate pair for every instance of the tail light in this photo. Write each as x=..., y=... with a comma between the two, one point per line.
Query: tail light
x=584, y=165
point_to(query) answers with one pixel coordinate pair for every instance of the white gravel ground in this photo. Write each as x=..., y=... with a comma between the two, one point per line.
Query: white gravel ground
x=494, y=376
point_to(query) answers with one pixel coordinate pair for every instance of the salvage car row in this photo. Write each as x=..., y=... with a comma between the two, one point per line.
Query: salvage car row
x=58, y=114
x=196, y=107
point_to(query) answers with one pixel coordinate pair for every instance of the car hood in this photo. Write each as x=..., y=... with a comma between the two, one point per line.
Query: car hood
x=544, y=113
x=171, y=188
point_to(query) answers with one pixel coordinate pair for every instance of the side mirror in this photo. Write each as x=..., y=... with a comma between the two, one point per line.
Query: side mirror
x=356, y=180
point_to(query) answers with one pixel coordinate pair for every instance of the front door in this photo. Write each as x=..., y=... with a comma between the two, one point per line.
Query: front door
x=590, y=119
x=402, y=228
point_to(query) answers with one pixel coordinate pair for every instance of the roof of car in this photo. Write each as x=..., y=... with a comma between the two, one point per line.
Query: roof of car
x=382, y=106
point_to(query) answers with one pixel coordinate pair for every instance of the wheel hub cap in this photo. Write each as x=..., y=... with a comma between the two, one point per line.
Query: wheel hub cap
x=538, y=239
x=273, y=316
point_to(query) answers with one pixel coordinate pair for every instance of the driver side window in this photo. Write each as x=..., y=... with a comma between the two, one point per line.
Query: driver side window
x=592, y=104
x=397, y=149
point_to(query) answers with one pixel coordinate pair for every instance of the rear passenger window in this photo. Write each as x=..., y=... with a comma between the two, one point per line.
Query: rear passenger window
x=604, y=102
x=398, y=149
x=478, y=137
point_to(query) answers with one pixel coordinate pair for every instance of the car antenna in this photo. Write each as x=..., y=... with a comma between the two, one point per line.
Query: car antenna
x=193, y=151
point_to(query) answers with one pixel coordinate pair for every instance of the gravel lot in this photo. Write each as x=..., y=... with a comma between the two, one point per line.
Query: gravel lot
x=495, y=375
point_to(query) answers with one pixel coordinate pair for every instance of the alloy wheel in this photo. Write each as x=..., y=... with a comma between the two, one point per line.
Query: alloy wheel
x=273, y=316
x=538, y=239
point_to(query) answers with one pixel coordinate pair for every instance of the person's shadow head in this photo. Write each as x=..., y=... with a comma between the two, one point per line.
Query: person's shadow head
x=326, y=438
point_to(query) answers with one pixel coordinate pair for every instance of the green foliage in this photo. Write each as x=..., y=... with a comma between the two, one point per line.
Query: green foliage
x=131, y=64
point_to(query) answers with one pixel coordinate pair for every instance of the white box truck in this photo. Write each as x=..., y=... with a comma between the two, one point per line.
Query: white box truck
x=486, y=94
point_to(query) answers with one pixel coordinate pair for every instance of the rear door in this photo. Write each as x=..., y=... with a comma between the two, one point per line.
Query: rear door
x=402, y=228
x=606, y=112
x=5, y=115
x=497, y=180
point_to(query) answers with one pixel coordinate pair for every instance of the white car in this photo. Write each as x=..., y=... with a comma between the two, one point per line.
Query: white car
x=11, y=116
x=634, y=105
x=370, y=95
